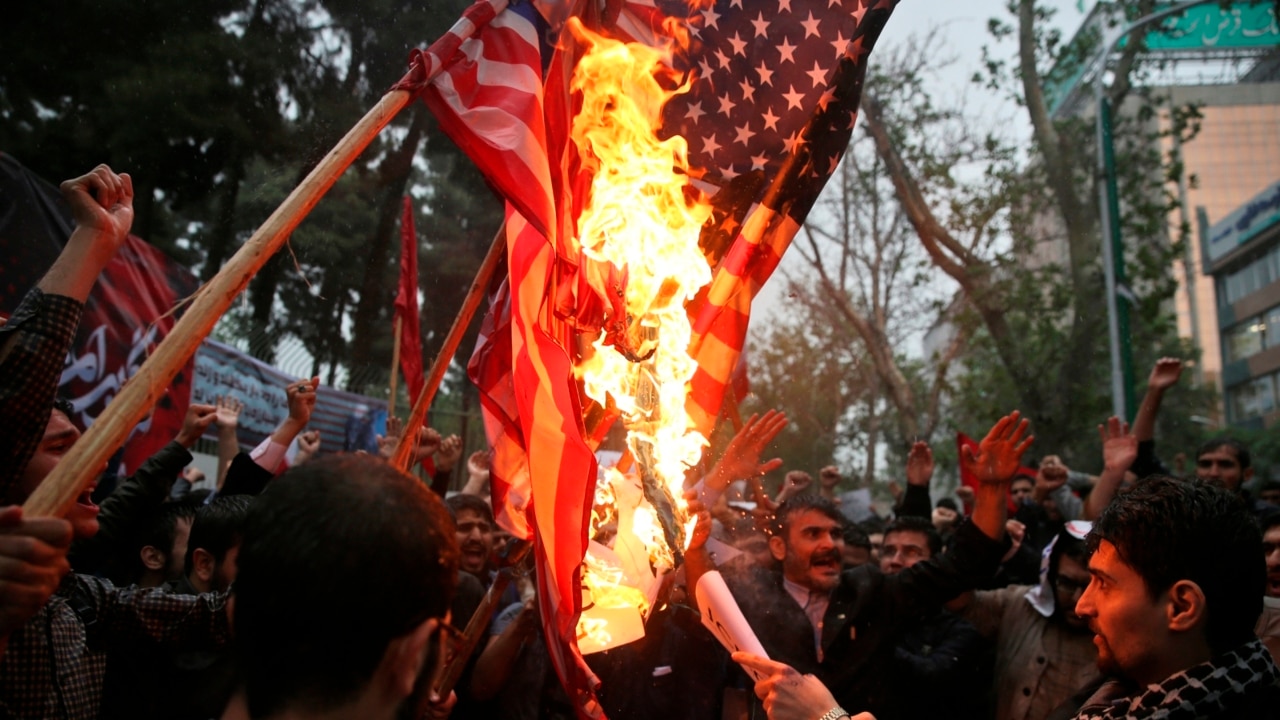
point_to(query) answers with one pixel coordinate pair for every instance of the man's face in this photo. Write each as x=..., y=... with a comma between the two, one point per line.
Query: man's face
x=225, y=573
x=59, y=436
x=1020, y=489
x=1271, y=550
x=902, y=549
x=877, y=540
x=178, y=553
x=1270, y=496
x=1221, y=466
x=475, y=539
x=1072, y=580
x=811, y=553
x=1130, y=628
x=756, y=546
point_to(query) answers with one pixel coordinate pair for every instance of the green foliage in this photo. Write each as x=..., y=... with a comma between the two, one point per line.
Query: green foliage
x=218, y=109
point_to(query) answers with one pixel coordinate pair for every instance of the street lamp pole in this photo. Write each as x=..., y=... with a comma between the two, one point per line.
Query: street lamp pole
x=1122, y=381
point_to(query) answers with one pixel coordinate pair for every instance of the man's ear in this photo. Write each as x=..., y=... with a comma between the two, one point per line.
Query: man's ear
x=406, y=655
x=777, y=547
x=205, y=564
x=152, y=557
x=1186, y=609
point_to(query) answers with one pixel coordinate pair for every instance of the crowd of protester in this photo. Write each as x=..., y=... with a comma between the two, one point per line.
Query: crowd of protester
x=334, y=585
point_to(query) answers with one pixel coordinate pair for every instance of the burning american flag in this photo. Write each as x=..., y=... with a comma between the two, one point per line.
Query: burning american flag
x=762, y=100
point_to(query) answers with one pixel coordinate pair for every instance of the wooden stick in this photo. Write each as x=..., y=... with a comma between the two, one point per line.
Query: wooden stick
x=509, y=557
x=403, y=457
x=89, y=455
x=395, y=368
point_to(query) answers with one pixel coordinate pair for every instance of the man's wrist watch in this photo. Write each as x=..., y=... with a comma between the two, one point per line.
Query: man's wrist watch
x=834, y=713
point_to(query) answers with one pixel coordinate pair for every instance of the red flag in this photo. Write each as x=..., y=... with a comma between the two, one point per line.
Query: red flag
x=407, y=305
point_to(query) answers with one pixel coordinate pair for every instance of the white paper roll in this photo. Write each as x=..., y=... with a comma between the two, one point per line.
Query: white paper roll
x=722, y=616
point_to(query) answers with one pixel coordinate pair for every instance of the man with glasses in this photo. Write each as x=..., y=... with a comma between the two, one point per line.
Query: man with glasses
x=1044, y=650
x=345, y=576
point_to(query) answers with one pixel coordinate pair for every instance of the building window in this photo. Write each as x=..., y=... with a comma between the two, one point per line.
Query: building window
x=1257, y=274
x=1253, y=399
x=1245, y=339
x=1272, y=318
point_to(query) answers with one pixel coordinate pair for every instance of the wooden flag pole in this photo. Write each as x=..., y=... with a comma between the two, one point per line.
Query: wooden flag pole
x=395, y=368
x=409, y=438
x=81, y=465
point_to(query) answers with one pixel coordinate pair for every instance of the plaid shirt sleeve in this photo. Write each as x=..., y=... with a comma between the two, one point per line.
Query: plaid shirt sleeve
x=178, y=622
x=33, y=347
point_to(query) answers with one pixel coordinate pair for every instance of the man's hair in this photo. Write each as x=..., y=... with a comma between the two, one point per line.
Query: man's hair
x=1268, y=519
x=910, y=523
x=803, y=503
x=855, y=536
x=1241, y=450
x=217, y=528
x=341, y=555
x=163, y=527
x=947, y=503
x=467, y=501
x=1023, y=477
x=1169, y=530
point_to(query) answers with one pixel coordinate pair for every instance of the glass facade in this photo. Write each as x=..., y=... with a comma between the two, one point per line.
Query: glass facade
x=1253, y=399
x=1255, y=275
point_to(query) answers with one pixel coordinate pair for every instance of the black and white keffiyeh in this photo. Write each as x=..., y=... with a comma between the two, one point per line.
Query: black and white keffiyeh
x=1202, y=691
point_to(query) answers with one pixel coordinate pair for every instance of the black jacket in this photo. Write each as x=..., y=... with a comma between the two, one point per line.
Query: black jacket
x=867, y=613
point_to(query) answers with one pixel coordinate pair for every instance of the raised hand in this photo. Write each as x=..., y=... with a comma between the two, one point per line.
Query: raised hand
x=449, y=454
x=1017, y=532
x=478, y=463
x=701, y=529
x=1165, y=374
x=101, y=202
x=741, y=458
x=308, y=446
x=302, y=400
x=1051, y=475
x=196, y=421
x=429, y=441
x=1119, y=446
x=227, y=416
x=920, y=464
x=792, y=485
x=1000, y=452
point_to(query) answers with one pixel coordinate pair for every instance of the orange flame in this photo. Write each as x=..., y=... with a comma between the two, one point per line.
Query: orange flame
x=644, y=219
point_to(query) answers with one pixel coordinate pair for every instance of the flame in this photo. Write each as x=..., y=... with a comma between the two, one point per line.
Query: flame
x=643, y=218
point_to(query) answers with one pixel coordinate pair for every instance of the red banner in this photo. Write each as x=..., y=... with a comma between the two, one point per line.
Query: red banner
x=124, y=318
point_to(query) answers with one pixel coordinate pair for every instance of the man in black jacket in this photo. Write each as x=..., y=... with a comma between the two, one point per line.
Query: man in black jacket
x=841, y=626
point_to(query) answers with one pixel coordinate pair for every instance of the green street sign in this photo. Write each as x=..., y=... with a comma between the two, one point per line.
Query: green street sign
x=1207, y=27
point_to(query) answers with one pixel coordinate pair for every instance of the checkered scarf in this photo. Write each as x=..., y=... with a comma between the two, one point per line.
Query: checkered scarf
x=1202, y=691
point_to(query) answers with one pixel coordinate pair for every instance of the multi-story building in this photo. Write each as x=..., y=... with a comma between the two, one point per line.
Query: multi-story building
x=1226, y=62
x=1243, y=256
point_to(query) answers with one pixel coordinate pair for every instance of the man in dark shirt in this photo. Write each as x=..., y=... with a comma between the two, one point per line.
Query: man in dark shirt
x=841, y=626
x=55, y=644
